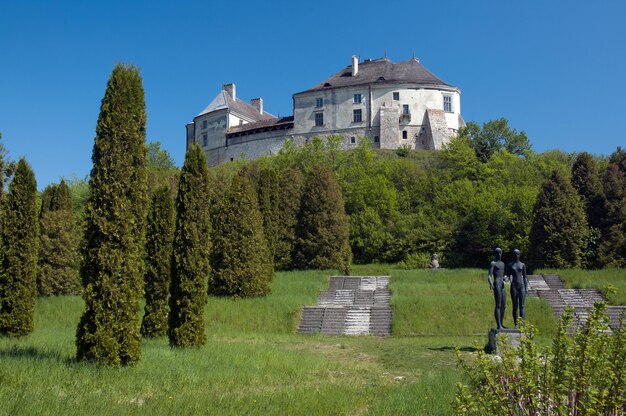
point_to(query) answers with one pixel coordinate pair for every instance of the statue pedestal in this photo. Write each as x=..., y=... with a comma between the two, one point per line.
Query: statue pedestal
x=512, y=334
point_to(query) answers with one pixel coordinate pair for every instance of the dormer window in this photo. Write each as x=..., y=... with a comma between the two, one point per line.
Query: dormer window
x=447, y=103
x=319, y=102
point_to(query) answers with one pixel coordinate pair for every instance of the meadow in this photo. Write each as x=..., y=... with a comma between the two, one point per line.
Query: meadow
x=255, y=363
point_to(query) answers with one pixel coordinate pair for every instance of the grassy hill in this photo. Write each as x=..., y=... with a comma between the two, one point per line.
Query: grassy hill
x=254, y=363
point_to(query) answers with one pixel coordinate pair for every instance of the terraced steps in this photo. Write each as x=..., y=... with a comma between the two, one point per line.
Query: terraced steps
x=353, y=305
x=550, y=288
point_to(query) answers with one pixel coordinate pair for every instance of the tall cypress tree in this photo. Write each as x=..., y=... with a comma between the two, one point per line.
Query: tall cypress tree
x=112, y=267
x=559, y=232
x=323, y=226
x=241, y=260
x=18, y=257
x=612, y=250
x=291, y=183
x=190, y=253
x=268, y=196
x=158, y=263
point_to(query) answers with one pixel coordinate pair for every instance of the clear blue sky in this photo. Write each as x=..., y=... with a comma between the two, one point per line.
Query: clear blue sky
x=553, y=68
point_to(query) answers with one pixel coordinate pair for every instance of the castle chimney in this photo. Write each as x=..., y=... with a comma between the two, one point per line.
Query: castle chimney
x=231, y=89
x=355, y=65
x=257, y=103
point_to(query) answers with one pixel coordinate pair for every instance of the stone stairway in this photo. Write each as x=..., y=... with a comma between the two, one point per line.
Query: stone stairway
x=353, y=305
x=550, y=288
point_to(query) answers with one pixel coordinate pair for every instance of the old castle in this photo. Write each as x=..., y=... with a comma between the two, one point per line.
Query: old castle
x=392, y=104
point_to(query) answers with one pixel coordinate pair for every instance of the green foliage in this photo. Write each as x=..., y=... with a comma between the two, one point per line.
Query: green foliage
x=161, y=168
x=112, y=267
x=241, y=260
x=18, y=254
x=323, y=227
x=190, y=253
x=583, y=375
x=159, y=234
x=493, y=136
x=290, y=187
x=59, y=257
x=315, y=152
x=403, y=151
x=79, y=190
x=559, y=232
x=269, y=206
x=612, y=248
x=586, y=181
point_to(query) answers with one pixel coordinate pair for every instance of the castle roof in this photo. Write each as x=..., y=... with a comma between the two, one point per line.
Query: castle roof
x=382, y=71
x=223, y=100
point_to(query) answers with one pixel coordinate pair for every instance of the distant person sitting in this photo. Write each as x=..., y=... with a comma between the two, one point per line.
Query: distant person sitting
x=496, y=283
x=434, y=263
x=519, y=286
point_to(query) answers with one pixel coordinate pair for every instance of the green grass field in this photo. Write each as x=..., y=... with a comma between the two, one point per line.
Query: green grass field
x=254, y=363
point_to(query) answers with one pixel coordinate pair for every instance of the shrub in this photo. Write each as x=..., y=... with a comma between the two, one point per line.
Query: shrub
x=581, y=375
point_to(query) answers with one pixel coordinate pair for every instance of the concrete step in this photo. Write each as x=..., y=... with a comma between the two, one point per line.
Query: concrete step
x=311, y=321
x=357, y=321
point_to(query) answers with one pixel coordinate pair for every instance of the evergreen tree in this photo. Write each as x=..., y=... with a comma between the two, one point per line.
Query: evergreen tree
x=18, y=257
x=190, y=253
x=62, y=197
x=291, y=182
x=47, y=197
x=112, y=264
x=158, y=263
x=268, y=197
x=323, y=227
x=241, y=260
x=586, y=181
x=612, y=250
x=559, y=232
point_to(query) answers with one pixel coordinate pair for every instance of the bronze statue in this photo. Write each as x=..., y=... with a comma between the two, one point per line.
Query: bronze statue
x=519, y=286
x=496, y=283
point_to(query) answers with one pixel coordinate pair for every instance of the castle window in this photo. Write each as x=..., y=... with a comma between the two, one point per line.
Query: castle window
x=447, y=103
x=405, y=134
x=319, y=119
x=205, y=140
x=352, y=140
x=376, y=139
x=405, y=109
x=357, y=117
x=319, y=102
x=357, y=98
x=396, y=96
x=204, y=124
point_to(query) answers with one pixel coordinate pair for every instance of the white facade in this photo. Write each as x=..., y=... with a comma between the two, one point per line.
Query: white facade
x=393, y=105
